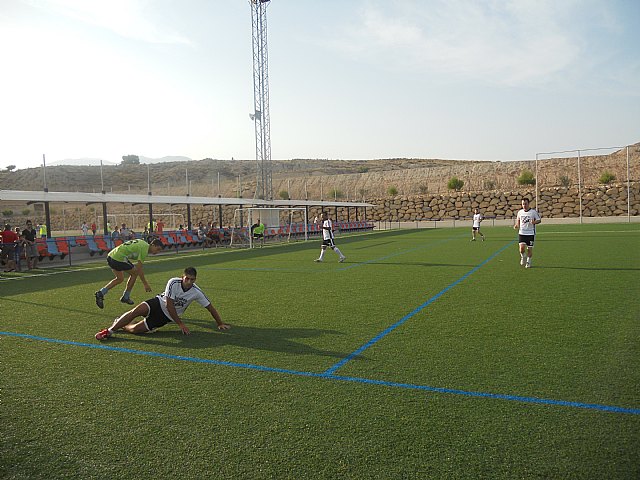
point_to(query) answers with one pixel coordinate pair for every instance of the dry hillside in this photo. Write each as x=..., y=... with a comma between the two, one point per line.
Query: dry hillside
x=320, y=178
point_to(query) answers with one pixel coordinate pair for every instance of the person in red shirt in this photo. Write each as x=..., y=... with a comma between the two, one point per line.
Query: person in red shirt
x=8, y=241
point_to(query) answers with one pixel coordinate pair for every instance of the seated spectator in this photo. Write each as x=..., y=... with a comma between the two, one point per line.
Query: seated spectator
x=202, y=236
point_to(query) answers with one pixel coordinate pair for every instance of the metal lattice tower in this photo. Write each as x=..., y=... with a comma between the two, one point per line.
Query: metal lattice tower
x=260, y=116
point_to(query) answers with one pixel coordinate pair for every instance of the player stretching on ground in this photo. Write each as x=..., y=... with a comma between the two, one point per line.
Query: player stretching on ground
x=477, y=218
x=168, y=307
x=119, y=259
x=327, y=239
x=526, y=222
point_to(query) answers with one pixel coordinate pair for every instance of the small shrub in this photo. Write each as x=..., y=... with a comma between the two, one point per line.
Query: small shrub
x=284, y=195
x=455, y=183
x=392, y=191
x=7, y=213
x=362, y=192
x=26, y=212
x=607, y=177
x=335, y=193
x=489, y=185
x=363, y=169
x=526, y=178
x=564, y=181
x=423, y=189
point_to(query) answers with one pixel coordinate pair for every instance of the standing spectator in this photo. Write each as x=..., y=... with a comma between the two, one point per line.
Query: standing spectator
x=152, y=226
x=125, y=233
x=160, y=226
x=526, y=222
x=8, y=242
x=85, y=229
x=20, y=249
x=109, y=228
x=115, y=235
x=94, y=228
x=29, y=234
x=43, y=230
x=327, y=239
x=475, y=229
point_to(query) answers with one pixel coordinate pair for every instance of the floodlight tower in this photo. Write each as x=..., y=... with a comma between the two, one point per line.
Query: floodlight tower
x=260, y=115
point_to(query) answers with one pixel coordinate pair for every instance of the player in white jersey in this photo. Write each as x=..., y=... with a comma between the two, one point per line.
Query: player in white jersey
x=168, y=307
x=526, y=222
x=475, y=229
x=327, y=239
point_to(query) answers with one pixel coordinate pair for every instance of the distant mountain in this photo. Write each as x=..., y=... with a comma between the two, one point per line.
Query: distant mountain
x=81, y=161
x=96, y=161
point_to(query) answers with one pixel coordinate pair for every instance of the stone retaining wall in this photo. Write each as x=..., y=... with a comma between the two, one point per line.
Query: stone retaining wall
x=556, y=202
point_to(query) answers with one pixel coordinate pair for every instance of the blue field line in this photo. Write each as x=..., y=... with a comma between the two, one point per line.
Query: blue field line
x=417, y=310
x=402, y=252
x=340, y=378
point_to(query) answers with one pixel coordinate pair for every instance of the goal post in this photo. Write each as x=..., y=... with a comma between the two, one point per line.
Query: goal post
x=280, y=223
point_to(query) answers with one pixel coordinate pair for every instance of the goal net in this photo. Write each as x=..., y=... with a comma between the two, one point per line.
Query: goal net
x=282, y=224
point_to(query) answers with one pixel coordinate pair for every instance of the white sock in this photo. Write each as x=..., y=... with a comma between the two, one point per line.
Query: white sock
x=115, y=322
x=337, y=250
x=322, y=253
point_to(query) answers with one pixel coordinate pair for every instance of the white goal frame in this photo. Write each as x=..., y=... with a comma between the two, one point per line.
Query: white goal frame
x=250, y=216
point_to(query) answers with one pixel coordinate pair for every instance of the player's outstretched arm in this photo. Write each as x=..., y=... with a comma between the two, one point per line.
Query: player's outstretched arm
x=140, y=272
x=216, y=316
x=174, y=316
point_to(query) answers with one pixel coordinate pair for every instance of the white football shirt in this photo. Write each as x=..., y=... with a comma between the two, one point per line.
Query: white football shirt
x=327, y=234
x=181, y=299
x=526, y=221
x=477, y=218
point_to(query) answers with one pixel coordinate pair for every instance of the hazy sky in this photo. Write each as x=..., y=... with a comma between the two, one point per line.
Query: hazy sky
x=349, y=79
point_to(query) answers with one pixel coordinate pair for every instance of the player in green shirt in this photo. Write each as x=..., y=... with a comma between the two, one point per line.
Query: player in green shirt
x=257, y=231
x=120, y=259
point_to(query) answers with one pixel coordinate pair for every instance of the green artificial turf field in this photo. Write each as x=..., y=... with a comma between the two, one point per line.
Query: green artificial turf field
x=424, y=355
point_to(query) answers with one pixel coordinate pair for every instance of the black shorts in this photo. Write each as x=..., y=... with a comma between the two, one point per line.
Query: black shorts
x=475, y=229
x=119, y=266
x=258, y=235
x=8, y=251
x=328, y=243
x=526, y=239
x=156, y=317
